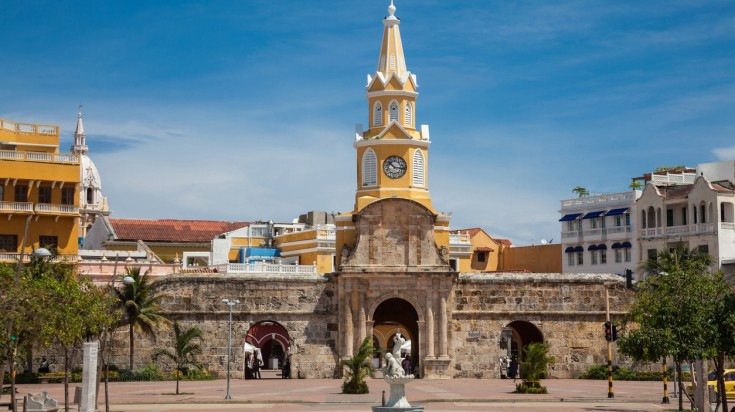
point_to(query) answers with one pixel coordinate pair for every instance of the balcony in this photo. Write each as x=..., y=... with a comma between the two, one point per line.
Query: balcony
x=28, y=128
x=49, y=209
x=682, y=231
x=603, y=200
x=13, y=257
x=605, y=233
x=58, y=158
x=268, y=268
x=16, y=207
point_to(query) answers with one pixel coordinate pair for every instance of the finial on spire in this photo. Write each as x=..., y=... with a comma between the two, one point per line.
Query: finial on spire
x=391, y=9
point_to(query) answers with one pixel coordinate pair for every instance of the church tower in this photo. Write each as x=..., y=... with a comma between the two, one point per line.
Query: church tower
x=393, y=150
x=91, y=202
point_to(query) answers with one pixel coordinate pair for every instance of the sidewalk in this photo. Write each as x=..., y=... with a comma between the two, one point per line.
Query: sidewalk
x=276, y=394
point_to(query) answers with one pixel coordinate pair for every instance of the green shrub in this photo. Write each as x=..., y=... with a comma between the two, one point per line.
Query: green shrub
x=531, y=387
x=198, y=375
x=621, y=374
x=353, y=387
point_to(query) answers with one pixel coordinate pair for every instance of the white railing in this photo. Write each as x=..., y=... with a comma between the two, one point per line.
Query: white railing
x=618, y=229
x=13, y=257
x=459, y=238
x=592, y=232
x=39, y=157
x=16, y=207
x=677, y=230
x=727, y=226
x=677, y=178
x=599, y=199
x=326, y=233
x=572, y=234
x=29, y=128
x=267, y=268
x=703, y=228
x=49, y=208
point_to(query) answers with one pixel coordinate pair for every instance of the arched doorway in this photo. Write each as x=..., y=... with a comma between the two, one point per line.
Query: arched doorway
x=524, y=333
x=271, y=339
x=393, y=316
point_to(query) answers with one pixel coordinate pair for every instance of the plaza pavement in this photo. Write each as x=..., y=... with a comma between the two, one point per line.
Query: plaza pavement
x=275, y=394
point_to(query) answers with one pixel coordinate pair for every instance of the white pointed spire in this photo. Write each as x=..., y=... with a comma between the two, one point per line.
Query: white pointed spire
x=391, y=49
x=80, y=140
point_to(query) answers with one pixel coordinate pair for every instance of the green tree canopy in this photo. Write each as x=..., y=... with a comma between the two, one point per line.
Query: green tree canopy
x=185, y=350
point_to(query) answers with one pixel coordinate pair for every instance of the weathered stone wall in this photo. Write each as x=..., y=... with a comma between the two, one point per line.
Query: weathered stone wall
x=567, y=309
x=302, y=305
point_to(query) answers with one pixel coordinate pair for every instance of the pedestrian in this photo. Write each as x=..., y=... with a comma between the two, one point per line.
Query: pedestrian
x=513, y=368
x=256, y=368
x=406, y=364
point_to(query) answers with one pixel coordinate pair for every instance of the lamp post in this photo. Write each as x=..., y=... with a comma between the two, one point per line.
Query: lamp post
x=127, y=280
x=230, y=303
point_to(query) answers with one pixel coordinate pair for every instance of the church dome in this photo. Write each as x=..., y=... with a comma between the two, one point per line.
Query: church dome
x=91, y=193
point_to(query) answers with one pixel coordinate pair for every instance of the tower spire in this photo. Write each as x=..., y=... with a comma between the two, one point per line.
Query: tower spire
x=80, y=140
x=391, y=58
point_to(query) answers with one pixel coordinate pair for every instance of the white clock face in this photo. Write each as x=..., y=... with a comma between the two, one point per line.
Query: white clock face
x=394, y=167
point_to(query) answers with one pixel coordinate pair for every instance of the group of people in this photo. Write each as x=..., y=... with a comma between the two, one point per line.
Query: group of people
x=253, y=365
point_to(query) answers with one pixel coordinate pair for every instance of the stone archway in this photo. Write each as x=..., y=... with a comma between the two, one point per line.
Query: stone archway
x=273, y=341
x=524, y=333
x=395, y=315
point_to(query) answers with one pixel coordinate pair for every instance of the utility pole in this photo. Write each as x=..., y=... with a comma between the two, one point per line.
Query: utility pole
x=610, y=393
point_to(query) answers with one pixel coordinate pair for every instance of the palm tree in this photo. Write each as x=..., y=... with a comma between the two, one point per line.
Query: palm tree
x=140, y=304
x=185, y=350
x=358, y=368
x=635, y=185
x=679, y=258
x=581, y=191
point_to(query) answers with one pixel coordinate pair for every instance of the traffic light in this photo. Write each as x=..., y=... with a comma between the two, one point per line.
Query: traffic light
x=614, y=332
x=608, y=331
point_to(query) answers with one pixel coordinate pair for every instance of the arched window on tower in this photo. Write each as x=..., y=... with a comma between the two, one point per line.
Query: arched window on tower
x=418, y=169
x=393, y=111
x=377, y=114
x=369, y=168
x=90, y=196
x=409, y=114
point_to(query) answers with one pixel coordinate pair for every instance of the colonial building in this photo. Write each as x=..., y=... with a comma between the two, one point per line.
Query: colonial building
x=598, y=233
x=698, y=214
x=39, y=192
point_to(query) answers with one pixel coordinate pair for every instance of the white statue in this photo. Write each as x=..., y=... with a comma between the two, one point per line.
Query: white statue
x=391, y=367
x=398, y=342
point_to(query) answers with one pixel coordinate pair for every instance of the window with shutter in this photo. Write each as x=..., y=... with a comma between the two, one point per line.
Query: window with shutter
x=393, y=111
x=369, y=168
x=418, y=169
x=409, y=114
x=377, y=114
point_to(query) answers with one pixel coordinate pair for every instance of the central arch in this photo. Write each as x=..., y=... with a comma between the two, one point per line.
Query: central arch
x=392, y=316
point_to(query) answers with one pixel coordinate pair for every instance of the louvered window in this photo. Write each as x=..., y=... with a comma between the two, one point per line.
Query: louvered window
x=409, y=114
x=418, y=169
x=369, y=168
x=382, y=64
x=393, y=111
x=403, y=64
x=392, y=62
x=377, y=114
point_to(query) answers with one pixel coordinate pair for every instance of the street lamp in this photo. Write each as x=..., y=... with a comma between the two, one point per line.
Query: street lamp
x=230, y=303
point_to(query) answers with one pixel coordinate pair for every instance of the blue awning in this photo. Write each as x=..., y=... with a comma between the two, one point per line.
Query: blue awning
x=592, y=215
x=571, y=216
x=602, y=247
x=616, y=212
x=570, y=249
x=616, y=245
x=626, y=245
x=579, y=249
x=592, y=247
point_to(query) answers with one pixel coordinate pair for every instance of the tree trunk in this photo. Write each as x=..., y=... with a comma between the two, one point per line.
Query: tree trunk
x=66, y=379
x=177, y=383
x=701, y=396
x=132, y=345
x=680, y=385
x=721, y=379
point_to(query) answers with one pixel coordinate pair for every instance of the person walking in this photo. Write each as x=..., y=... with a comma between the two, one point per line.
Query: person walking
x=256, y=368
x=513, y=368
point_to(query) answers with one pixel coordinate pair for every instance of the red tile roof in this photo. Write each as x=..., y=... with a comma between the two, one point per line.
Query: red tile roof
x=504, y=242
x=169, y=230
x=484, y=249
x=475, y=230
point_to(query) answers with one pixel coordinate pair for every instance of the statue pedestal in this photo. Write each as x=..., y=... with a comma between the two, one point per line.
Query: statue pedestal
x=398, y=401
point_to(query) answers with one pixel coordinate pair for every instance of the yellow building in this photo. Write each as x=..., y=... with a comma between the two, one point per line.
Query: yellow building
x=39, y=192
x=392, y=152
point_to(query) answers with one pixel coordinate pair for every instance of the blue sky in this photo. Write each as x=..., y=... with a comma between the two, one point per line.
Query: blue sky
x=245, y=110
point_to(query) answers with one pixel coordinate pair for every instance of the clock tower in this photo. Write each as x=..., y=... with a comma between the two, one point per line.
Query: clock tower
x=392, y=150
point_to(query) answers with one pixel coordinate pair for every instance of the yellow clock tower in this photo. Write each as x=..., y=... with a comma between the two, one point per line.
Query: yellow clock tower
x=392, y=151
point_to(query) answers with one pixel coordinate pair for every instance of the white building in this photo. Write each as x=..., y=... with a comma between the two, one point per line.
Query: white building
x=698, y=212
x=598, y=233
